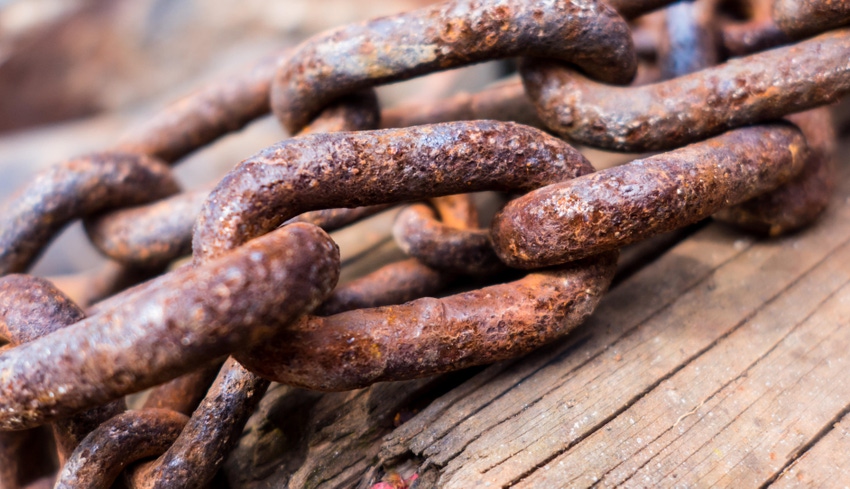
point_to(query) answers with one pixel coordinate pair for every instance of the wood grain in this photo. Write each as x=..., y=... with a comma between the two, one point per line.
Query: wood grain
x=644, y=381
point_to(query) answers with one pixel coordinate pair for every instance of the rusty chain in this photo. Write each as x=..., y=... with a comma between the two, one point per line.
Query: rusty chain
x=259, y=301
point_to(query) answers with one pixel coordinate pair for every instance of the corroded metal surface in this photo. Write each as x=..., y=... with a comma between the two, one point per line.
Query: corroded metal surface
x=428, y=336
x=621, y=205
x=799, y=202
x=803, y=18
x=505, y=101
x=252, y=296
x=182, y=320
x=376, y=167
x=129, y=436
x=77, y=188
x=449, y=35
x=205, y=115
x=195, y=456
x=665, y=115
x=462, y=250
x=394, y=283
x=31, y=308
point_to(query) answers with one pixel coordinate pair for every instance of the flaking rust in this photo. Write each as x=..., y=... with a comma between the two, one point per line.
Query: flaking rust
x=618, y=206
x=420, y=234
x=452, y=34
x=803, y=18
x=77, y=188
x=376, y=167
x=118, y=442
x=429, y=336
x=179, y=322
x=757, y=88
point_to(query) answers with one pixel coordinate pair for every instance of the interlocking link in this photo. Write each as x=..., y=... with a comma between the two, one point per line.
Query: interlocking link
x=665, y=115
x=259, y=302
x=178, y=322
x=618, y=206
x=449, y=35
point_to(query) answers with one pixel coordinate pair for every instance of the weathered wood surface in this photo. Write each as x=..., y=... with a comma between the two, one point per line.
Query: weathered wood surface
x=717, y=365
x=721, y=363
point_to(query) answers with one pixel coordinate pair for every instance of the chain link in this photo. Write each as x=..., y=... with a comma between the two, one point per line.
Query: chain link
x=262, y=283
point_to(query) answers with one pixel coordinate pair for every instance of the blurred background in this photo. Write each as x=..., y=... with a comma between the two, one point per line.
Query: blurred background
x=77, y=74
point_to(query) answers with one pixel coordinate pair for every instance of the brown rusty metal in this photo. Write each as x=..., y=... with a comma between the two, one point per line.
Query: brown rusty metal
x=155, y=234
x=758, y=33
x=243, y=294
x=225, y=409
x=803, y=18
x=89, y=287
x=182, y=320
x=31, y=308
x=205, y=115
x=375, y=167
x=618, y=206
x=123, y=439
x=77, y=188
x=448, y=35
x=801, y=201
x=665, y=115
x=391, y=284
x=405, y=280
x=196, y=455
x=150, y=235
x=429, y=336
x=421, y=235
x=184, y=393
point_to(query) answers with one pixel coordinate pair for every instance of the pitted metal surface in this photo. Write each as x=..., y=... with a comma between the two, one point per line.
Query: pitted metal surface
x=259, y=303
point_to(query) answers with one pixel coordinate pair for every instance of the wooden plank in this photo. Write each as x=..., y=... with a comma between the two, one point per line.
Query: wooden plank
x=661, y=434
x=508, y=426
x=824, y=465
x=477, y=405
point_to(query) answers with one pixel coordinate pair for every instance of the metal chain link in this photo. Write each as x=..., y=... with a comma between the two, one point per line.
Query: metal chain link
x=262, y=283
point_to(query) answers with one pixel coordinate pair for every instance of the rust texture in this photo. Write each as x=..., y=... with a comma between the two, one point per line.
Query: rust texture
x=421, y=235
x=375, y=167
x=799, y=202
x=196, y=455
x=428, y=336
x=129, y=436
x=223, y=412
x=621, y=205
x=261, y=266
x=761, y=87
x=803, y=18
x=394, y=283
x=30, y=308
x=155, y=234
x=587, y=33
x=184, y=393
x=148, y=235
x=77, y=188
x=182, y=320
x=205, y=115
x=458, y=210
